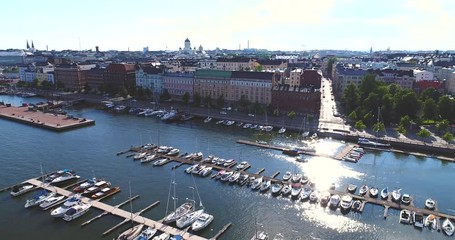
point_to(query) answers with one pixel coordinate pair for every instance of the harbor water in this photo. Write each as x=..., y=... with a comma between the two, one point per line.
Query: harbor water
x=91, y=151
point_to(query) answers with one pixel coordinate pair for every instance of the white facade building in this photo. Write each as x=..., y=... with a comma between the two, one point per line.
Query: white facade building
x=150, y=78
x=423, y=75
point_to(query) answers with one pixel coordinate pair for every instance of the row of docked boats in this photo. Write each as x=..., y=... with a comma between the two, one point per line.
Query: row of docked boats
x=265, y=128
x=431, y=221
x=354, y=154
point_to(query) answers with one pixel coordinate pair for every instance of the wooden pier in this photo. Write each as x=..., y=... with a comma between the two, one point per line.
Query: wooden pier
x=40, y=119
x=222, y=231
x=120, y=212
x=106, y=212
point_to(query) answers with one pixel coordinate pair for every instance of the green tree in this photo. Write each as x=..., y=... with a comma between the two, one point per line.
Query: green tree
x=258, y=108
x=359, y=125
x=367, y=85
x=220, y=101
x=405, y=121
x=430, y=93
x=330, y=64
x=448, y=137
x=186, y=97
x=276, y=112
x=445, y=107
x=292, y=115
x=351, y=97
x=123, y=92
x=406, y=103
x=368, y=118
x=424, y=133
x=401, y=129
x=46, y=84
x=208, y=100
x=378, y=127
x=353, y=116
x=165, y=95
x=430, y=109
x=371, y=103
x=387, y=113
x=244, y=102
x=259, y=68
x=197, y=99
x=443, y=125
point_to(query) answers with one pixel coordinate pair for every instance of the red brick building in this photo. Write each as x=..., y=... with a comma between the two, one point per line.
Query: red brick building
x=298, y=99
x=119, y=75
x=311, y=77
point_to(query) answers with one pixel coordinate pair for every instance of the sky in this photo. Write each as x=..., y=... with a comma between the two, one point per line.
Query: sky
x=266, y=24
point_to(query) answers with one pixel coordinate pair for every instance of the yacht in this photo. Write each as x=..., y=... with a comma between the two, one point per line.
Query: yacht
x=396, y=195
x=64, y=177
x=265, y=186
x=130, y=233
x=324, y=198
x=173, y=152
x=76, y=211
x=296, y=177
x=234, y=177
x=50, y=201
x=229, y=163
x=295, y=191
x=405, y=216
x=406, y=199
x=242, y=165
x=287, y=175
x=370, y=143
x=162, y=236
x=257, y=183
x=373, y=192
x=447, y=227
x=276, y=188
x=225, y=177
x=21, y=189
x=149, y=158
x=163, y=149
x=305, y=194
x=170, y=116
x=104, y=192
x=146, y=234
x=39, y=198
x=81, y=187
x=286, y=190
x=139, y=156
x=243, y=179
x=206, y=171
x=385, y=193
x=202, y=221
x=282, y=130
x=95, y=188
x=260, y=236
x=356, y=205
x=417, y=219
x=161, y=161
x=430, y=203
x=314, y=196
x=334, y=201
x=346, y=202
x=363, y=190
x=431, y=221
x=58, y=212
x=189, y=218
x=181, y=211
x=207, y=119
x=352, y=188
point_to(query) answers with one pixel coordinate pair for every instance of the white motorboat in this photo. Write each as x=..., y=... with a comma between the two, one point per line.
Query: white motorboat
x=197, y=169
x=139, y=156
x=356, y=205
x=242, y=165
x=260, y=236
x=363, y=190
x=405, y=216
x=314, y=196
x=163, y=149
x=243, y=179
x=305, y=134
x=76, y=211
x=189, y=218
x=447, y=227
x=95, y=188
x=148, y=158
x=229, y=163
x=276, y=188
x=346, y=202
x=396, y=195
x=282, y=130
x=296, y=177
x=385, y=193
x=39, y=198
x=405, y=198
x=324, y=198
x=64, y=177
x=161, y=161
x=257, y=183
x=417, y=219
x=21, y=189
x=334, y=201
x=207, y=119
x=130, y=233
x=358, y=149
x=50, y=201
x=219, y=122
x=146, y=234
x=305, y=194
x=431, y=221
x=286, y=190
x=225, y=177
x=162, y=236
x=206, y=171
x=430, y=203
x=89, y=183
x=301, y=158
x=374, y=192
x=265, y=185
x=234, y=177
x=305, y=180
x=370, y=143
x=173, y=152
x=181, y=211
x=202, y=221
x=190, y=168
x=269, y=128
x=58, y=212
x=352, y=188
x=287, y=175
x=246, y=125
x=295, y=191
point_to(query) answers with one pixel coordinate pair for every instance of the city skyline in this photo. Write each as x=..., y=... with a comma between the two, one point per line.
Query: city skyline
x=264, y=24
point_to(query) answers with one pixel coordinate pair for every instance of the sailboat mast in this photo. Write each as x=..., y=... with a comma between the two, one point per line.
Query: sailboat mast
x=131, y=203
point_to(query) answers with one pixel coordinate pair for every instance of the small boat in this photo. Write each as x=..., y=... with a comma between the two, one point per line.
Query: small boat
x=242, y=165
x=374, y=192
x=265, y=186
x=64, y=177
x=181, y=211
x=406, y=199
x=276, y=188
x=21, y=189
x=396, y=195
x=282, y=130
x=295, y=191
x=287, y=175
x=430, y=203
x=334, y=201
x=173, y=152
x=197, y=169
x=219, y=122
x=363, y=190
x=239, y=124
x=324, y=198
x=207, y=119
x=301, y=158
x=58, y=212
x=314, y=196
x=417, y=219
x=219, y=174
x=268, y=128
x=305, y=134
x=356, y=205
x=95, y=188
x=50, y=201
x=296, y=177
x=229, y=163
x=189, y=218
x=352, y=188
x=161, y=161
x=148, y=158
x=202, y=221
x=206, y=171
x=286, y=190
x=243, y=179
x=139, y=156
x=305, y=194
x=85, y=185
x=260, y=236
x=76, y=211
x=246, y=125
x=447, y=227
x=431, y=222
x=104, y=192
x=146, y=234
x=229, y=123
x=225, y=177
x=358, y=149
x=385, y=193
x=130, y=233
x=367, y=142
x=346, y=202
x=191, y=168
x=304, y=180
x=162, y=236
x=39, y=198
x=257, y=183
x=405, y=216
x=234, y=177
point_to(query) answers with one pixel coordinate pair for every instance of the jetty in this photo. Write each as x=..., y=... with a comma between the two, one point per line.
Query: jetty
x=119, y=212
x=54, y=122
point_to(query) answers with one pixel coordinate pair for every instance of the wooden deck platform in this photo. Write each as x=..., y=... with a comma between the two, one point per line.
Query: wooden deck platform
x=40, y=119
x=120, y=212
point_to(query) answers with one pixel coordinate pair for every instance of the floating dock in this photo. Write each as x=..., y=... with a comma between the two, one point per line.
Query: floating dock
x=119, y=212
x=54, y=122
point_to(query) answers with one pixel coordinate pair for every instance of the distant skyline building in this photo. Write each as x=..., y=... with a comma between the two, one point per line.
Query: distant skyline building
x=187, y=46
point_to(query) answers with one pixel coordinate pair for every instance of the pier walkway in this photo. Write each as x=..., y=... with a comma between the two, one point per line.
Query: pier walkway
x=119, y=212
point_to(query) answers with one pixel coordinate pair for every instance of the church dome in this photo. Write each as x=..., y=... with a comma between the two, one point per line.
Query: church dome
x=187, y=40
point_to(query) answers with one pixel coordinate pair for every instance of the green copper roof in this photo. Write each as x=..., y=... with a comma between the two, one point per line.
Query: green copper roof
x=212, y=73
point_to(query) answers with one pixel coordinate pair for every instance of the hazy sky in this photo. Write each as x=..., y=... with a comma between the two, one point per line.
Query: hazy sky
x=271, y=24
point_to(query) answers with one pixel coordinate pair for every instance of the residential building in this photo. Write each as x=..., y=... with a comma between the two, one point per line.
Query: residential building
x=311, y=77
x=120, y=75
x=72, y=76
x=13, y=57
x=294, y=77
x=42, y=71
x=343, y=76
x=272, y=64
x=404, y=78
x=95, y=78
x=235, y=64
x=150, y=77
x=299, y=99
x=423, y=75
x=448, y=76
x=255, y=86
x=212, y=83
x=177, y=84
x=207, y=64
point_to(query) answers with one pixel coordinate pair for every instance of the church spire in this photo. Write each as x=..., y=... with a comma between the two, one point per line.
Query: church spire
x=28, y=46
x=33, y=45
